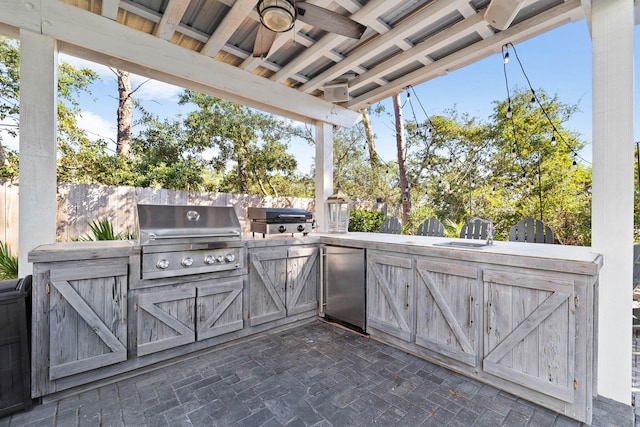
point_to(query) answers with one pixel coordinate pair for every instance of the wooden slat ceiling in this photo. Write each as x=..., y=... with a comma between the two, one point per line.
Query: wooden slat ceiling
x=406, y=42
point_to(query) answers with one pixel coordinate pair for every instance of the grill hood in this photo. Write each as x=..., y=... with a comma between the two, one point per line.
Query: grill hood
x=171, y=224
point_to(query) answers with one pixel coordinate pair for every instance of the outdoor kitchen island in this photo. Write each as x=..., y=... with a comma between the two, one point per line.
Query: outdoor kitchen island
x=517, y=316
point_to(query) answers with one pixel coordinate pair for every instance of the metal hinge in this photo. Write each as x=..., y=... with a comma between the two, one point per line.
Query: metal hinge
x=47, y=289
x=575, y=384
x=135, y=307
x=576, y=300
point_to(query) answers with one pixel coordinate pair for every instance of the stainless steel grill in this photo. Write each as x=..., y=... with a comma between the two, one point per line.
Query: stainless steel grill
x=183, y=240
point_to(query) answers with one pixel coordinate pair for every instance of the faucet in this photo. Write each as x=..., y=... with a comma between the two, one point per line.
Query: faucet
x=489, y=223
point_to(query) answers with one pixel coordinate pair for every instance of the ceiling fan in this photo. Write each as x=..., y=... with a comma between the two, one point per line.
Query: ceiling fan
x=278, y=16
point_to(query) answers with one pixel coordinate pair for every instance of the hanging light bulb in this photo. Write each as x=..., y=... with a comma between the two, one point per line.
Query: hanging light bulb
x=574, y=162
x=494, y=188
x=513, y=152
x=430, y=131
x=553, y=141
x=506, y=57
x=532, y=101
x=509, y=112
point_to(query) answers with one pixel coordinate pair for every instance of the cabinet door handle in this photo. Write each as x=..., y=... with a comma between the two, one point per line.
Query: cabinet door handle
x=201, y=313
x=489, y=304
x=470, y=310
x=406, y=296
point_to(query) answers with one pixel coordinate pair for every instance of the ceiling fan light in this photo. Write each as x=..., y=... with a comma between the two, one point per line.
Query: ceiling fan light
x=277, y=15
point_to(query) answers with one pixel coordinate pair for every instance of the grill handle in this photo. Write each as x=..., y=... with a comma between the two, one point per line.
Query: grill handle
x=292, y=216
x=189, y=236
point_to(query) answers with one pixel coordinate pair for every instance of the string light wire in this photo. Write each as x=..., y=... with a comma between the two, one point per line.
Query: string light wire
x=535, y=99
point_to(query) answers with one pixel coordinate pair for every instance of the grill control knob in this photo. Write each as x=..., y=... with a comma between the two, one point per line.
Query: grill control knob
x=187, y=262
x=282, y=229
x=229, y=257
x=162, y=264
x=209, y=259
x=220, y=258
x=301, y=228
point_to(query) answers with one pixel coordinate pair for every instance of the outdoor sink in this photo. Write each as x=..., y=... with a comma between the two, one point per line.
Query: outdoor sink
x=459, y=244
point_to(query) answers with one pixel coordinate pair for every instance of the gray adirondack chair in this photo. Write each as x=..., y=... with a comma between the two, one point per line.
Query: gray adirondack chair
x=528, y=230
x=431, y=227
x=475, y=229
x=391, y=225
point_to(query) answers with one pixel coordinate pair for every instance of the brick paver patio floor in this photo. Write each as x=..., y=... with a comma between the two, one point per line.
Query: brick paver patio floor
x=317, y=374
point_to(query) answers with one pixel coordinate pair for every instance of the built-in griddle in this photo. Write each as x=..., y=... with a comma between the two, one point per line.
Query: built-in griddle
x=280, y=220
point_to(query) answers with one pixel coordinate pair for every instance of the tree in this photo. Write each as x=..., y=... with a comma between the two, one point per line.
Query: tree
x=402, y=162
x=125, y=112
x=164, y=156
x=253, y=143
x=9, y=95
x=374, y=161
x=507, y=168
x=71, y=82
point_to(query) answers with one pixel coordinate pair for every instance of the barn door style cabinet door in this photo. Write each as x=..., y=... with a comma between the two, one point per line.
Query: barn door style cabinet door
x=530, y=332
x=390, y=295
x=448, y=304
x=80, y=319
x=183, y=315
x=282, y=282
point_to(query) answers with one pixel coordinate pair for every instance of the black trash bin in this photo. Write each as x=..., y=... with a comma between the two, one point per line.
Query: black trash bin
x=15, y=369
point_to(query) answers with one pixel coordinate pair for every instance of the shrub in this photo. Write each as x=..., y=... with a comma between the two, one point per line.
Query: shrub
x=8, y=263
x=102, y=229
x=367, y=221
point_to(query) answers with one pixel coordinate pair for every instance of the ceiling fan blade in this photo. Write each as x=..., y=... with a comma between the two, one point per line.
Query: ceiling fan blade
x=329, y=20
x=264, y=41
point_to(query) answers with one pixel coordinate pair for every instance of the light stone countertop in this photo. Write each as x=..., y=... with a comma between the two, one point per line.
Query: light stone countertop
x=571, y=259
x=564, y=258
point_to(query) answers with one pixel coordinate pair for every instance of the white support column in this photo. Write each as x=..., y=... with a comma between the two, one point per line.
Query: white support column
x=613, y=182
x=324, y=172
x=38, y=130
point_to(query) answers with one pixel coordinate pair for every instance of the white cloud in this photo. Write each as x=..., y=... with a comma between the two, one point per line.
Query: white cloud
x=97, y=127
x=9, y=141
x=150, y=90
x=153, y=89
x=102, y=70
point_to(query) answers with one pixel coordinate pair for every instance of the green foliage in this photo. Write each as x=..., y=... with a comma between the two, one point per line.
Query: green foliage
x=505, y=169
x=366, y=221
x=71, y=83
x=452, y=228
x=102, y=229
x=251, y=143
x=8, y=263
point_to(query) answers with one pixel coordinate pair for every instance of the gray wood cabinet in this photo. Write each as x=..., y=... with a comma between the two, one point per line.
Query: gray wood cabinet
x=188, y=313
x=390, y=294
x=448, y=304
x=79, y=319
x=530, y=331
x=283, y=282
x=527, y=330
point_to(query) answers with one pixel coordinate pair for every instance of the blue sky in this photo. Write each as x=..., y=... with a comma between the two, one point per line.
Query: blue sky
x=558, y=61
